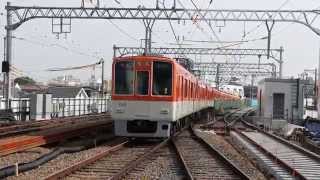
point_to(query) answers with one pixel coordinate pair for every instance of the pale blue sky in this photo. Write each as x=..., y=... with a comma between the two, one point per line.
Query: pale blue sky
x=96, y=37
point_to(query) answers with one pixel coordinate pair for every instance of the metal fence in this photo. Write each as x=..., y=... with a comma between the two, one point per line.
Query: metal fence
x=63, y=107
x=20, y=108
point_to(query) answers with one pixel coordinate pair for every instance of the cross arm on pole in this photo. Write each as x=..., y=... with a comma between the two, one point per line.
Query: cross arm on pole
x=235, y=69
x=275, y=53
x=22, y=14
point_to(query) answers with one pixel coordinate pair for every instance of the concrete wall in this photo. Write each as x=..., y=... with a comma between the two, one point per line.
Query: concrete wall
x=269, y=87
x=36, y=106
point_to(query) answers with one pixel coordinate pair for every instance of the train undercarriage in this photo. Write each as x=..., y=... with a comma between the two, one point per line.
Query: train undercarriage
x=142, y=128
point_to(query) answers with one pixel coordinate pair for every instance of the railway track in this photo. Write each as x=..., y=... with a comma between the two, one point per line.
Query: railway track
x=238, y=115
x=179, y=160
x=284, y=160
x=164, y=164
x=231, y=120
x=114, y=163
x=28, y=127
x=22, y=142
x=202, y=161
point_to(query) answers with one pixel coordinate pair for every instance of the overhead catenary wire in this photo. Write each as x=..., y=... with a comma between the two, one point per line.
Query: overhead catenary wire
x=55, y=45
x=75, y=67
x=212, y=30
x=123, y=31
x=259, y=25
x=153, y=33
x=226, y=42
x=209, y=24
x=195, y=21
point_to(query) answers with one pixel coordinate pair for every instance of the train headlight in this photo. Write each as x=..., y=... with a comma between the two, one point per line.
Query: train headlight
x=164, y=111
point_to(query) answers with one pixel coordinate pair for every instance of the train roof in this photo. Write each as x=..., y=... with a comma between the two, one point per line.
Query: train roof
x=143, y=58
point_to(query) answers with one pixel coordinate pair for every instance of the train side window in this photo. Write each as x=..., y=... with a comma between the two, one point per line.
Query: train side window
x=124, y=76
x=188, y=89
x=185, y=88
x=177, y=85
x=192, y=95
x=142, y=83
x=181, y=87
x=191, y=91
x=162, y=78
x=195, y=91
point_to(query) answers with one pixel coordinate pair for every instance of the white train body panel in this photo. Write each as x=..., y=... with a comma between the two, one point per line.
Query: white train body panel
x=162, y=112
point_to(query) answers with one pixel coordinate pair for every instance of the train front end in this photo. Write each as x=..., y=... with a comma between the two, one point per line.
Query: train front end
x=142, y=97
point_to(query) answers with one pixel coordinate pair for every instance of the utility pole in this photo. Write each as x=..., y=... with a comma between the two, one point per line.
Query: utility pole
x=8, y=58
x=281, y=63
x=3, y=68
x=315, y=88
x=251, y=88
x=102, y=76
x=148, y=41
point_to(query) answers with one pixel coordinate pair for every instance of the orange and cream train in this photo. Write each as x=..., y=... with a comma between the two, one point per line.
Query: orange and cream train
x=153, y=96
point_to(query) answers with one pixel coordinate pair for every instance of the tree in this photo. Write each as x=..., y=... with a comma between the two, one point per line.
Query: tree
x=24, y=81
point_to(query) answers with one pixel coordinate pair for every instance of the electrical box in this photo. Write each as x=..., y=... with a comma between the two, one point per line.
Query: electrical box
x=5, y=66
x=281, y=99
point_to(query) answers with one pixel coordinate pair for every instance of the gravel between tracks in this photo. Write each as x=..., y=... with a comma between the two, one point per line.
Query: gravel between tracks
x=231, y=153
x=59, y=163
x=162, y=165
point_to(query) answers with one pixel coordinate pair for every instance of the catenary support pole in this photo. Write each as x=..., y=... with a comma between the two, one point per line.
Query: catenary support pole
x=8, y=57
x=102, y=77
x=281, y=63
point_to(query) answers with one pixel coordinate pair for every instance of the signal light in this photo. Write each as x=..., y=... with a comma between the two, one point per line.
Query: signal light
x=5, y=66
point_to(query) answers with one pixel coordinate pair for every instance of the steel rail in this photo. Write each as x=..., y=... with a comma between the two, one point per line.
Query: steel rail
x=217, y=123
x=18, y=143
x=270, y=154
x=130, y=166
x=239, y=115
x=36, y=124
x=279, y=139
x=223, y=157
x=69, y=170
x=43, y=125
x=284, y=162
x=119, y=175
x=183, y=161
x=214, y=152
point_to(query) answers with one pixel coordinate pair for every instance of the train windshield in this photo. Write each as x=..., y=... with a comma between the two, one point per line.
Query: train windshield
x=162, y=79
x=142, y=86
x=124, y=76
